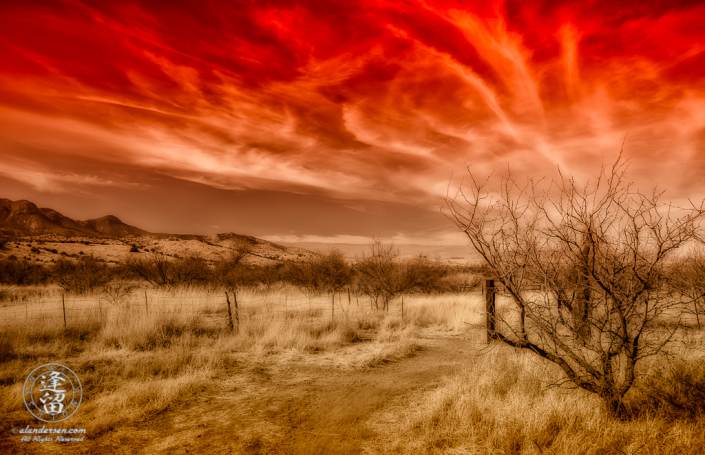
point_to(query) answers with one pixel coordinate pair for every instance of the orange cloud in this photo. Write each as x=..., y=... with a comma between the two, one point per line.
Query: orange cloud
x=370, y=101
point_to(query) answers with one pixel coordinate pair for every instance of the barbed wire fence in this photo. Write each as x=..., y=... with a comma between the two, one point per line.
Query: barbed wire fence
x=237, y=309
x=229, y=309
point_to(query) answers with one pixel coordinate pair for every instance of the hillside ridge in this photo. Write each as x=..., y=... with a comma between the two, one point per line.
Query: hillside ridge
x=25, y=218
x=22, y=219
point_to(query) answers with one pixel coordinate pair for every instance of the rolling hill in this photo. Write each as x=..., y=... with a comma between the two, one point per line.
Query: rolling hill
x=24, y=218
x=111, y=239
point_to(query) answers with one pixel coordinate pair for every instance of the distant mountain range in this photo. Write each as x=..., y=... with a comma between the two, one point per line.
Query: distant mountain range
x=24, y=218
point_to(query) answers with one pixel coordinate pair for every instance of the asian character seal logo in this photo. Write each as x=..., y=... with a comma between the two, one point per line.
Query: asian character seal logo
x=52, y=392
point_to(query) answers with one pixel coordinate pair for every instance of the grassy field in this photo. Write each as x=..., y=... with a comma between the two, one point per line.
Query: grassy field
x=507, y=402
x=148, y=353
x=138, y=354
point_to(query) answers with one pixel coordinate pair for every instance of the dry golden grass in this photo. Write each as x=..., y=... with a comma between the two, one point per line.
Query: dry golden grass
x=137, y=357
x=509, y=402
x=138, y=354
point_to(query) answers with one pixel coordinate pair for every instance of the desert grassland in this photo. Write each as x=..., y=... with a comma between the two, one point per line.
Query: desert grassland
x=136, y=359
x=509, y=401
x=136, y=356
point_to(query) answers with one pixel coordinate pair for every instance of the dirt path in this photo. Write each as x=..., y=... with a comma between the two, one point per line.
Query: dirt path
x=329, y=415
x=294, y=409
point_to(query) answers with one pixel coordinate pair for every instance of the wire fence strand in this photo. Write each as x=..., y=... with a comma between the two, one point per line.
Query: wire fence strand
x=78, y=311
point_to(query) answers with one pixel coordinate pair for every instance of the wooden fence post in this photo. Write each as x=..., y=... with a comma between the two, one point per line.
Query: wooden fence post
x=146, y=306
x=237, y=314
x=349, y=300
x=230, y=314
x=63, y=305
x=332, y=308
x=490, y=308
x=402, y=307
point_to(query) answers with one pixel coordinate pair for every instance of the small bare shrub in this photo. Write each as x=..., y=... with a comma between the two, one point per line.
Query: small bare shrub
x=5, y=294
x=82, y=276
x=675, y=390
x=117, y=292
x=7, y=350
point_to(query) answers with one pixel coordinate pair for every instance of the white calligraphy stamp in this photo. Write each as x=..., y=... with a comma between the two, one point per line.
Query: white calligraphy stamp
x=52, y=392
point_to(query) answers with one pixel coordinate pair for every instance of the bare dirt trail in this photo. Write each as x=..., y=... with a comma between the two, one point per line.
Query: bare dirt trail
x=330, y=416
x=290, y=410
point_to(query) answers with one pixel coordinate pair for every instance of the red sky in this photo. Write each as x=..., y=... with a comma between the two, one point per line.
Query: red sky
x=336, y=120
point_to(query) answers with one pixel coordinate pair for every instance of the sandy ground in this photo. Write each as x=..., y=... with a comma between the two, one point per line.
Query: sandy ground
x=304, y=410
x=283, y=408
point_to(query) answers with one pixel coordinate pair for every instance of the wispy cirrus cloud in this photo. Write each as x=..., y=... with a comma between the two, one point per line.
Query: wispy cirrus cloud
x=41, y=178
x=373, y=101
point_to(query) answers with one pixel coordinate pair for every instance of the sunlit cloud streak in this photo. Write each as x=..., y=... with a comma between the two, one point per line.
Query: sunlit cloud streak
x=362, y=101
x=44, y=179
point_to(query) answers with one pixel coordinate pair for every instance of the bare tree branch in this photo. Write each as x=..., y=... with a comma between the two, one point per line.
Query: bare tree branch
x=602, y=253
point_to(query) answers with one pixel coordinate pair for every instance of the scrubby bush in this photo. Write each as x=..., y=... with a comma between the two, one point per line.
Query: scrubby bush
x=160, y=271
x=675, y=391
x=191, y=270
x=13, y=271
x=687, y=275
x=328, y=272
x=84, y=275
x=5, y=294
x=231, y=272
x=382, y=274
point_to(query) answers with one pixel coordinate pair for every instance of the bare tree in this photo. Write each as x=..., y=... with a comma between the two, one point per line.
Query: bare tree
x=81, y=276
x=688, y=277
x=327, y=272
x=231, y=271
x=382, y=276
x=190, y=270
x=599, y=251
x=333, y=270
x=160, y=271
x=239, y=250
x=117, y=291
x=303, y=276
x=156, y=269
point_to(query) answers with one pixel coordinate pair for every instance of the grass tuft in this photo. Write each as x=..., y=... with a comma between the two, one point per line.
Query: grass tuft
x=509, y=402
x=672, y=391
